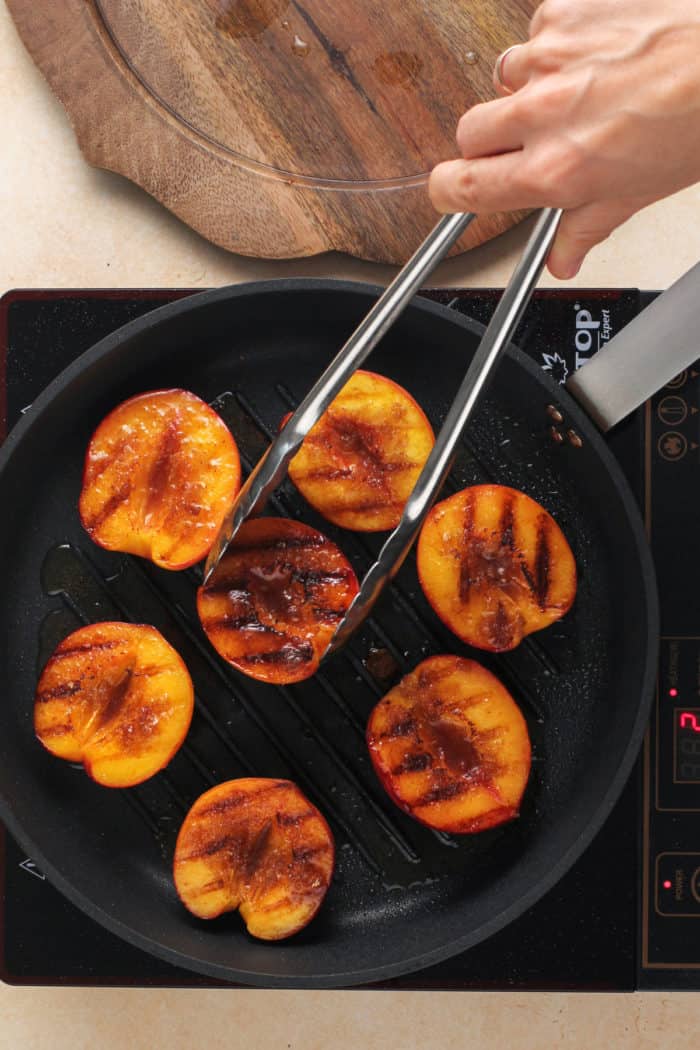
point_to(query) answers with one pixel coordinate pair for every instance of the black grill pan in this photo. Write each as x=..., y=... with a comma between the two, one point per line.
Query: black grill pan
x=403, y=897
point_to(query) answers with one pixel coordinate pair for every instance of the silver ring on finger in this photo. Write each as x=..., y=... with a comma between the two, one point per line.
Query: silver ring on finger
x=498, y=69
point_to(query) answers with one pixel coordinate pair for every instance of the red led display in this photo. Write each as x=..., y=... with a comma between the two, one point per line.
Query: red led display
x=686, y=745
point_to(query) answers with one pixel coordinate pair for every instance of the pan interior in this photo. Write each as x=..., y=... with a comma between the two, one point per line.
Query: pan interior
x=403, y=895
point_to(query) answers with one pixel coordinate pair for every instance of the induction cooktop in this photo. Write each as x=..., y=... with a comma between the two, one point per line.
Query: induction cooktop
x=625, y=916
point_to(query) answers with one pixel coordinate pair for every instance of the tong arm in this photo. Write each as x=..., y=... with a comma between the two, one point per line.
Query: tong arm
x=496, y=337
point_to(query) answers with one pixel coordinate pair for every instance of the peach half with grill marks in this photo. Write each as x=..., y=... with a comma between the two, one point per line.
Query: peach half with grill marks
x=495, y=566
x=357, y=466
x=116, y=697
x=272, y=604
x=161, y=471
x=258, y=846
x=451, y=746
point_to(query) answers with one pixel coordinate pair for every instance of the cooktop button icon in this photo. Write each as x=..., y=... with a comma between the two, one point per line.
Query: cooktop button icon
x=672, y=410
x=28, y=865
x=695, y=884
x=672, y=446
x=678, y=380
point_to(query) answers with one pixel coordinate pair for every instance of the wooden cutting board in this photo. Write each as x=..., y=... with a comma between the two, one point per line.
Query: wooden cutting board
x=277, y=128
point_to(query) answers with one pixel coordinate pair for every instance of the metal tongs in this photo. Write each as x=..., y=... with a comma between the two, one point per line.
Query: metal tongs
x=272, y=467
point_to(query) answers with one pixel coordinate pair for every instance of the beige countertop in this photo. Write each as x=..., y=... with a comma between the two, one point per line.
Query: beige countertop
x=67, y=225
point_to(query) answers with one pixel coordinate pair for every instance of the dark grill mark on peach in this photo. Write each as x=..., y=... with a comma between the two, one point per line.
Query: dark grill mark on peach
x=109, y=508
x=507, y=524
x=279, y=905
x=97, y=466
x=500, y=628
x=345, y=473
x=257, y=849
x=279, y=543
x=465, y=578
x=351, y=436
x=542, y=561
x=209, y=887
x=241, y=623
x=399, y=729
x=348, y=437
x=529, y=578
x=59, y=692
x=291, y=653
x=239, y=799
x=426, y=680
x=292, y=820
x=465, y=573
x=209, y=849
x=304, y=853
x=235, y=586
x=149, y=672
x=323, y=474
x=364, y=507
x=321, y=435
x=117, y=696
x=443, y=792
x=160, y=472
x=413, y=764
x=56, y=730
x=319, y=577
x=87, y=647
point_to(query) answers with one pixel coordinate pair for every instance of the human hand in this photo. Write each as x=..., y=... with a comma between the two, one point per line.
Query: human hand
x=603, y=120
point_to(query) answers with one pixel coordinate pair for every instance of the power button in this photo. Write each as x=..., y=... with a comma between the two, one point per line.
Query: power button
x=678, y=885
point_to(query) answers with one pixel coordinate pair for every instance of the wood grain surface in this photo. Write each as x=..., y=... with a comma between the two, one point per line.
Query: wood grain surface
x=277, y=128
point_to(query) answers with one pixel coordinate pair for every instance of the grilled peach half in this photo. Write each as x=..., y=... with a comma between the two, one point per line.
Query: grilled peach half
x=116, y=697
x=275, y=599
x=161, y=472
x=451, y=746
x=257, y=846
x=495, y=566
x=358, y=464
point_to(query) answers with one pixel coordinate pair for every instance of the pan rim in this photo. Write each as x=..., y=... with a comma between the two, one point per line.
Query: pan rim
x=385, y=971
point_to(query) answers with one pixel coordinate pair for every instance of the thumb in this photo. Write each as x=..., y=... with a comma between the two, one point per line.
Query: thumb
x=582, y=228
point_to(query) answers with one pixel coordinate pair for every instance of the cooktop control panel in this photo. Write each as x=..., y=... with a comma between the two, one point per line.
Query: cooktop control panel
x=670, y=832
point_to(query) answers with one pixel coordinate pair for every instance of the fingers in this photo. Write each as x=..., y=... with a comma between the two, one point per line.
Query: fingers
x=493, y=184
x=559, y=174
x=582, y=228
x=539, y=19
x=512, y=70
x=489, y=128
x=489, y=184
